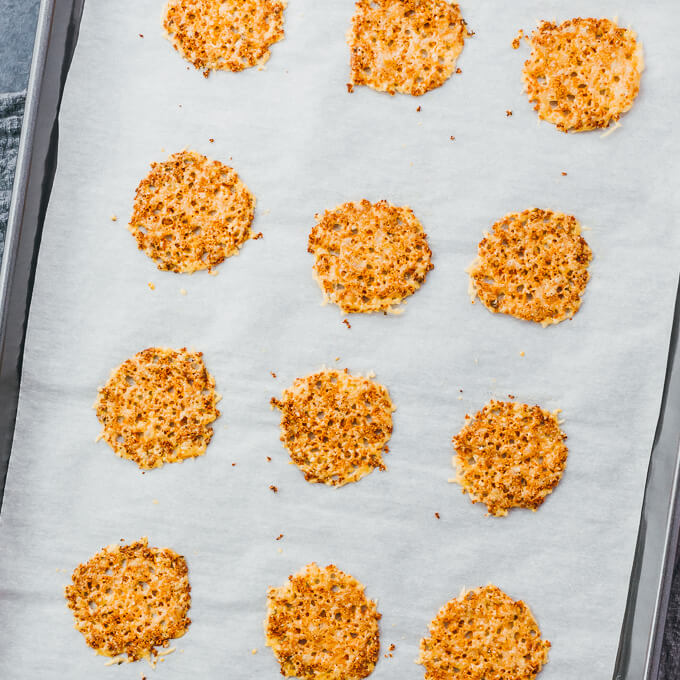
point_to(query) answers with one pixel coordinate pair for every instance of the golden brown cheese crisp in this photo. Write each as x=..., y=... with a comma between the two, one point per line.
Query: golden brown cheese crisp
x=483, y=635
x=369, y=256
x=583, y=73
x=130, y=599
x=335, y=425
x=191, y=213
x=407, y=46
x=510, y=455
x=224, y=34
x=321, y=626
x=533, y=265
x=157, y=407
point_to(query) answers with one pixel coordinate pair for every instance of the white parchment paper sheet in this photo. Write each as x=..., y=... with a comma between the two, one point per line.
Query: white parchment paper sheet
x=303, y=144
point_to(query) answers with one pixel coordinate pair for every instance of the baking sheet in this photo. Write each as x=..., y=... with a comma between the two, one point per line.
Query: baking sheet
x=303, y=144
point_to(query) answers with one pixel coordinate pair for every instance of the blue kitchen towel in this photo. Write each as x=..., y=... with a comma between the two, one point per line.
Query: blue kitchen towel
x=11, y=115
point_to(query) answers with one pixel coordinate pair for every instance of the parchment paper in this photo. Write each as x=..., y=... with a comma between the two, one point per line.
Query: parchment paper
x=303, y=144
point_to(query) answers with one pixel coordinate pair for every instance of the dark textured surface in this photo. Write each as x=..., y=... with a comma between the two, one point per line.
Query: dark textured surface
x=17, y=28
x=11, y=113
x=670, y=652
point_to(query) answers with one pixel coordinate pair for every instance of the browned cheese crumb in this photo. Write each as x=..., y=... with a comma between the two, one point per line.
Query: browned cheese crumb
x=510, y=455
x=224, y=34
x=517, y=39
x=158, y=406
x=483, y=634
x=407, y=46
x=130, y=599
x=369, y=256
x=335, y=426
x=533, y=265
x=583, y=73
x=321, y=626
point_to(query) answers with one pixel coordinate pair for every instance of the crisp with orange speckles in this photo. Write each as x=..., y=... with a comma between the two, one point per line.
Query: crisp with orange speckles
x=510, y=455
x=157, y=407
x=321, y=626
x=191, y=213
x=130, y=599
x=224, y=34
x=533, y=265
x=583, y=73
x=406, y=46
x=369, y=257
x=483, y=634
x=335, y=425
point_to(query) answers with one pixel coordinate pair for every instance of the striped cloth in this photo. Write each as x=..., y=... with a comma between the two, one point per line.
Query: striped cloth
x=11, y=114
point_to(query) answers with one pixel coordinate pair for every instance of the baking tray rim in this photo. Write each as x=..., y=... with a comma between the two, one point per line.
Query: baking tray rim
x=642, y=629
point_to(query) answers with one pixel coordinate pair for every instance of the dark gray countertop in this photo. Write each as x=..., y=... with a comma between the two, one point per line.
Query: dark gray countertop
x=17, y=26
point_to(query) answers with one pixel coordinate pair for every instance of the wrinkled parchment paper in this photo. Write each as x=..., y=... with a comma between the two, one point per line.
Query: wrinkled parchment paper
x=302, y=143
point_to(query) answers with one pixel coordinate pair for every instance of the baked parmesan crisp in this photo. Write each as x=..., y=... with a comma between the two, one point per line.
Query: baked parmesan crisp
x=224, y=34
x=583, y=73
x=510, y=455
x=157, y=407
x=321, y=626
x=407, y=46
x=191, y=213
x=130, y=599
x=369, y=257
x=483, y=635
x=335, y=425
x=533, y=265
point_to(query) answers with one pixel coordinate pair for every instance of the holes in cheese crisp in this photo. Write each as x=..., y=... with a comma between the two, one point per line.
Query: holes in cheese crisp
x=335, y=426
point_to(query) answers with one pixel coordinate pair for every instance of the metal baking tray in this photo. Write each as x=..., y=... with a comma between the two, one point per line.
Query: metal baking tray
x=642, y=632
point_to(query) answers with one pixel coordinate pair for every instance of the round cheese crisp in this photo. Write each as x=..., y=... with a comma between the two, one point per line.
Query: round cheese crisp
x=583, y=73
x=482, y=635
x=191, y=213
x=335, y=426
x=321, y=626
x=369, y=257
x=533, y=265
x=130, y=599
x=408, y=46
x=157, y=407
x=224, y=34
x=510, y=455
